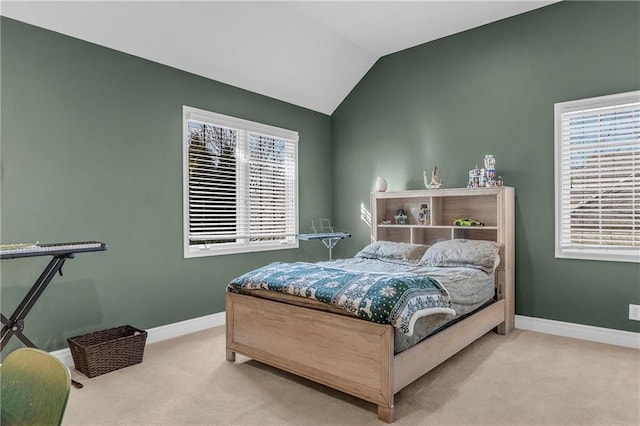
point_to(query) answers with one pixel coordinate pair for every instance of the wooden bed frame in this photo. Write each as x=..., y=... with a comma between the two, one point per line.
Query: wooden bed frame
x=357, y=356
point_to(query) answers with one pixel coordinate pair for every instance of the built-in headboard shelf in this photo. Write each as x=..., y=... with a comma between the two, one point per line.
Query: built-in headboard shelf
x=494, y=207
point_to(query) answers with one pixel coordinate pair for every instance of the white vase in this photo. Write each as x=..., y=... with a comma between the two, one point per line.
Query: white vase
x=381, y=184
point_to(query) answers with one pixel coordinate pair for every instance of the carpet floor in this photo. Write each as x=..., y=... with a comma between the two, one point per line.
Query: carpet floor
x=524, y=378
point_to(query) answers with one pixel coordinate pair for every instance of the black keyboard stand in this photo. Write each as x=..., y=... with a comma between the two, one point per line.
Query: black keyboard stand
x=14, y=325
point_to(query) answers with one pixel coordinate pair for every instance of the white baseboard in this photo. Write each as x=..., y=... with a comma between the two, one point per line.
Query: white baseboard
x=558, y=328
x=578, y=331
x=163, y=332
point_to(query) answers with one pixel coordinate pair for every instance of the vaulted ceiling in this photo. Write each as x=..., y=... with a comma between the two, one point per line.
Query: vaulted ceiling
x=308, y=53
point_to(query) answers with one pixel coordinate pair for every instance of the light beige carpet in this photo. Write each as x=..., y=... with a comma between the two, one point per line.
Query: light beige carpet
x=524, y=378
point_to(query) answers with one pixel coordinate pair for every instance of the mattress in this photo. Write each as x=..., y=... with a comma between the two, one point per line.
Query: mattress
x=469, y=289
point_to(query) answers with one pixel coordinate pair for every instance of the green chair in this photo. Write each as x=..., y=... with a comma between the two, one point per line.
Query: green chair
x=34, y=388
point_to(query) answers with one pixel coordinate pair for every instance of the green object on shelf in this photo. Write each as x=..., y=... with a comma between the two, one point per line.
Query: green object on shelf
x=467, y=222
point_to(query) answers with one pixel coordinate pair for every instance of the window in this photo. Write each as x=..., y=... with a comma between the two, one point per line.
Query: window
x=240, y=185
x=597, y=175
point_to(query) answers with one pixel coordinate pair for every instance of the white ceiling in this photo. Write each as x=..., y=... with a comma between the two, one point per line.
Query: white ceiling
x=308, y=53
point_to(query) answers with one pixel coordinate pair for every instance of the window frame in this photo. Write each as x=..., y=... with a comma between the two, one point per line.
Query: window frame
x=247, y=127
x=608, y=253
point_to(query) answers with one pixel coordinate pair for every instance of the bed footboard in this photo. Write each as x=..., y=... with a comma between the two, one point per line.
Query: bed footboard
x=348, y=354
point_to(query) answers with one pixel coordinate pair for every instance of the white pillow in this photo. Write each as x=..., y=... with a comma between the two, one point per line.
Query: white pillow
x=479, y=254
x=390, y=251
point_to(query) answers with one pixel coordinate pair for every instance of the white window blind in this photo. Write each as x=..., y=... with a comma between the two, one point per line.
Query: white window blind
x=240, y=185
x=597, y=178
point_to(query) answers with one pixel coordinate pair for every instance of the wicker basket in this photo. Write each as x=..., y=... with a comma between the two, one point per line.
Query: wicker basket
x=107, y=350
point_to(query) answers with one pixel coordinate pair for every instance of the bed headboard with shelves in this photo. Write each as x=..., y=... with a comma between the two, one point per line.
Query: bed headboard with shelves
x=494, y=207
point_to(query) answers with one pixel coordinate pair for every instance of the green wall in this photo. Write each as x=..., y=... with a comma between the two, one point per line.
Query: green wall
x=492, y=90
x=91, y=150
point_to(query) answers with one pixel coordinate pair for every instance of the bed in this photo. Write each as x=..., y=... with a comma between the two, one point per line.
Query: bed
x=371, y=360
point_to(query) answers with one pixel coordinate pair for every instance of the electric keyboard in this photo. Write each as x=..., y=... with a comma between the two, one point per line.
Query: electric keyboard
x=12, y=251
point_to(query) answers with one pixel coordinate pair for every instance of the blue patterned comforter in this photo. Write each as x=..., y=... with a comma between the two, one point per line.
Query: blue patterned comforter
x=398, y=299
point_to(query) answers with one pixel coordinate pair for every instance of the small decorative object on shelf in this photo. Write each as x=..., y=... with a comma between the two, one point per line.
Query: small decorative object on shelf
x=386, y=222
x=490, y=170
x=435, y=182
x=486, y=176
x=423, y=215
x=489, y=162
x=474, y=178
x=467, y=221
x=401, y=217
x=381, y=184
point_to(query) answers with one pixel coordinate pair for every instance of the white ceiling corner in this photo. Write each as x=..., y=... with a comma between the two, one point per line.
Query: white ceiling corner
x=308, y=53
